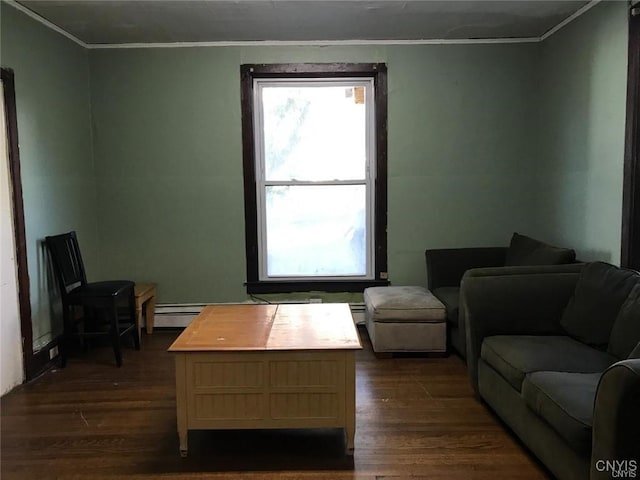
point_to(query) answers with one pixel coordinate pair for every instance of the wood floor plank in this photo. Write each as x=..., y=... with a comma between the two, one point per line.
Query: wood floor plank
x=416, y=419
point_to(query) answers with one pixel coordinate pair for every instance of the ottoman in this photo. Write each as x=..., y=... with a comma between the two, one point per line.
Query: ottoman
x=405, y=319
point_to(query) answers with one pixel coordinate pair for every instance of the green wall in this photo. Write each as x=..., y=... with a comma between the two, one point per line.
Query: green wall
x=582, y=118
x=58, y=176
x=167, y=145
x=140, y=150
x=459, y=155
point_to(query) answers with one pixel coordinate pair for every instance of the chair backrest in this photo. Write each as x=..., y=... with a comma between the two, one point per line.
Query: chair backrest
x=67, y=261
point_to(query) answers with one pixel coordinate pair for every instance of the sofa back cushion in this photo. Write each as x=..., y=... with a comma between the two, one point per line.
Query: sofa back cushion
x=600, y=292
x=625, y=334
x=524, y=250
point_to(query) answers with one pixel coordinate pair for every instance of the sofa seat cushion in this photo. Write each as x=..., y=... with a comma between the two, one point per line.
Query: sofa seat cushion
x=514, y=356
x=403, y=304
x=565, y=401
x=450, y=297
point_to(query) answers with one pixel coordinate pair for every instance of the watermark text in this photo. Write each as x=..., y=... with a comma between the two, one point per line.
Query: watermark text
x=618, y=468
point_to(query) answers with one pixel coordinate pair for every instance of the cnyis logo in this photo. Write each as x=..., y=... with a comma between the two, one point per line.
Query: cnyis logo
x=618, y=468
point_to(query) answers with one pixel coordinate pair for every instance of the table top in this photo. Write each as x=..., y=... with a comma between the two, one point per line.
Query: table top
x=323, y=326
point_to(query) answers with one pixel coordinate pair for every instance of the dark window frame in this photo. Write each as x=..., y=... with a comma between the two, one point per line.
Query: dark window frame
x=249, y=72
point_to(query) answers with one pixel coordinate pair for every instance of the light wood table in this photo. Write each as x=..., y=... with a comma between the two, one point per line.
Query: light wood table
x=267, y=366
x=145, y=304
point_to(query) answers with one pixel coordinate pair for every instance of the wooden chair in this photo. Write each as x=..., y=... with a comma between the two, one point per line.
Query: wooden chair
x=108, y=307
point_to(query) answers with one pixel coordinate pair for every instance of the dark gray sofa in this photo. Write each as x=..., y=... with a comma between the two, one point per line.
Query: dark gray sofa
x=446, y=266
x=555, y=355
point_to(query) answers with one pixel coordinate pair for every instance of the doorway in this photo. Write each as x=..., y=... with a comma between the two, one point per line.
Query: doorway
x=12, y=363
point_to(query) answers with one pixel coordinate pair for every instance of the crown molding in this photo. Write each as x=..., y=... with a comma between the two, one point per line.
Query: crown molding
x=313, y=43
x=45, y=22
x=570, y=19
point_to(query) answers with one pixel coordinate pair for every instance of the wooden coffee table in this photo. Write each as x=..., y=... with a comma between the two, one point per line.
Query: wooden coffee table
x=267, y=366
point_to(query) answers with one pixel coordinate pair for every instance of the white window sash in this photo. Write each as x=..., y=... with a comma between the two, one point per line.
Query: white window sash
x=262, y=183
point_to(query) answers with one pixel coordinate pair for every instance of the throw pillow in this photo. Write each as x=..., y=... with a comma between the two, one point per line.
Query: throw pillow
x=600, y=292
x=525, y=250
x=625, y=334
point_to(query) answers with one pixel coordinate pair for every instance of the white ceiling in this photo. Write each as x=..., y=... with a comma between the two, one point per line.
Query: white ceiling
x=96, y=22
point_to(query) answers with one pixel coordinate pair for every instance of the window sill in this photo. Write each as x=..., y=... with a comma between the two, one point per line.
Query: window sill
x=313, y=286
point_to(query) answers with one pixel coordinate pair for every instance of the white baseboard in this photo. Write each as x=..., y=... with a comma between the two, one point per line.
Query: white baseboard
x=181, y=315
x=176, y=315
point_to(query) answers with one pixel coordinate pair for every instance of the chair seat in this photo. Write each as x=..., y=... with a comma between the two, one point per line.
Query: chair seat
x=109, y=288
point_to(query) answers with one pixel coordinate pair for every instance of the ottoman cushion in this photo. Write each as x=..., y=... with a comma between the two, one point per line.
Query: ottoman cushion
x=403, y=304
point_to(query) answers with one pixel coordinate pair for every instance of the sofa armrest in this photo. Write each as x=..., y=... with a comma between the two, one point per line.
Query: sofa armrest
x=524, y=270
x=510, y=270
x=616, y=420
x=518, y=304
x=446, y=266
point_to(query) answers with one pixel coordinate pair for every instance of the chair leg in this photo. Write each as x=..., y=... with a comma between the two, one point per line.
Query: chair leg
x=115, y=334
x=62, y=350
x=134, y=318
x=65, y=341
x=90, y=317
x=136, y=338
x=117, y=350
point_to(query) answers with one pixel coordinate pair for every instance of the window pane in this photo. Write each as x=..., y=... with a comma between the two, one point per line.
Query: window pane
x=314, y=132
x=316, y=230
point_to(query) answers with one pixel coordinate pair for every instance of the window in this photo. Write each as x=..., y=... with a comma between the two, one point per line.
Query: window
x=314, y=140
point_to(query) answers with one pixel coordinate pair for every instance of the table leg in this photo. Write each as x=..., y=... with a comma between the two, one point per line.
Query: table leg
x=149, y=313
x=181, y=403
x=350, y=401
x=138, y=318
x=183, y=444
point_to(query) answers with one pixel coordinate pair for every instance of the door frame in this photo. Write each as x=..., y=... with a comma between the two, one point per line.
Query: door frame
x=630, y=254
x=33, y=363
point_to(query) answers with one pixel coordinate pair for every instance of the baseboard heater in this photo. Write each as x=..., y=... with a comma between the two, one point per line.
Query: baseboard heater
x=180, y=315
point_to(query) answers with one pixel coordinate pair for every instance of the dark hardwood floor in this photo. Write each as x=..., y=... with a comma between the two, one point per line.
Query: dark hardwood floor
x=416, y=418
